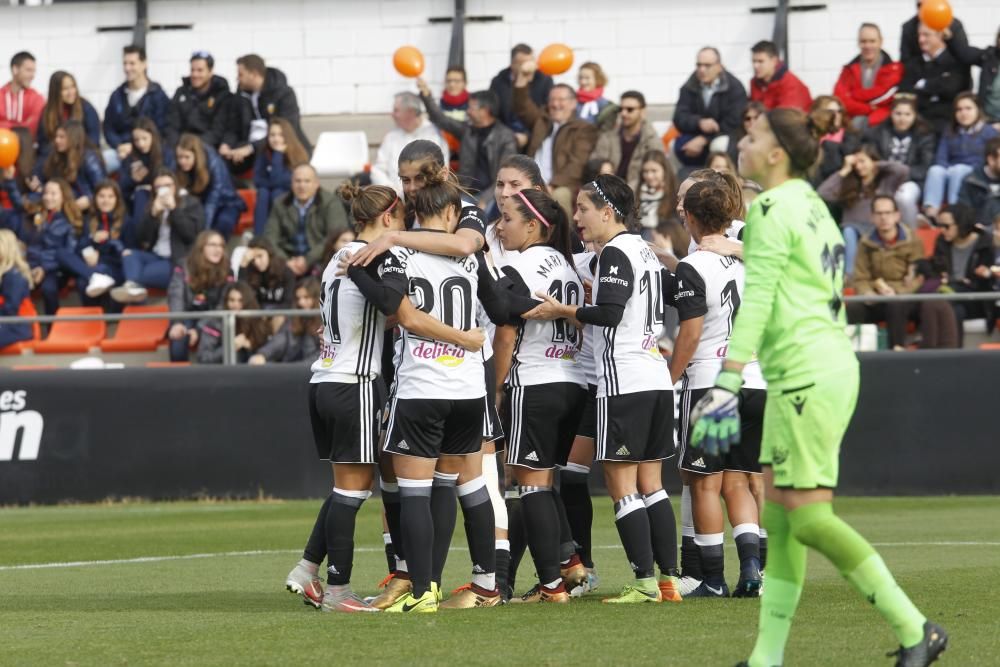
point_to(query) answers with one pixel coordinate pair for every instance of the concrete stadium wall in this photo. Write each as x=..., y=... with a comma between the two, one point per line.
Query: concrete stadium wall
x=336, y=53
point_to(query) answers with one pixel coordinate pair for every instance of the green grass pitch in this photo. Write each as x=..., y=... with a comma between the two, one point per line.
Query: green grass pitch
x=227, y=604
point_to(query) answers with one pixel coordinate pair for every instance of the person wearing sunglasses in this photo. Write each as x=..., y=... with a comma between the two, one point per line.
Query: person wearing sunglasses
x=196, y=103
x=623, y=146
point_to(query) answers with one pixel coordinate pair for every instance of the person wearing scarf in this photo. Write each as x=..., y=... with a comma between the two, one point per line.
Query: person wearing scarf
x=590, y=95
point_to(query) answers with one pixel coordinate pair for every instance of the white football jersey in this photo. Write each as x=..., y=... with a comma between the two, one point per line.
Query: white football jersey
x=445, y=288
x=733, y=231
x=711, y=286
x=353, y=328
x=628, y=357
x=545, y=351
x=586, y=263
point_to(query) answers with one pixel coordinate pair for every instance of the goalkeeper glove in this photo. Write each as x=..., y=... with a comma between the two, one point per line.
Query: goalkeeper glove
x=715, y=420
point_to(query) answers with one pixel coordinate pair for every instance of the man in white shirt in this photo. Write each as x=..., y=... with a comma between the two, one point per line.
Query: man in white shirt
x=407, y=114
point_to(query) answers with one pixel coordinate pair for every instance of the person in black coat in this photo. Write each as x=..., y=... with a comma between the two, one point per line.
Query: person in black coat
x=197, y=106
x=503, y=86
x=700, y=123
x=981, y=189
x=936, y=77
x=989, y=82
x=263, y=92
x=135, y=98
x=955, y=40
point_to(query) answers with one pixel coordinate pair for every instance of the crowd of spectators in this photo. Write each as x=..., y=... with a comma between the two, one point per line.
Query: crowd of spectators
x=911, y=148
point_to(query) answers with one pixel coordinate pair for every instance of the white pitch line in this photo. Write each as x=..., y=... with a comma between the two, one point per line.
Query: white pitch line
x=271, y=552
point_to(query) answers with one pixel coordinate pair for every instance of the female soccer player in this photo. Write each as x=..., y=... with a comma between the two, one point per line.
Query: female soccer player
x=546, y=384
x=634, y=393
x=792, y=317
x=345, y=402
x=708, y=297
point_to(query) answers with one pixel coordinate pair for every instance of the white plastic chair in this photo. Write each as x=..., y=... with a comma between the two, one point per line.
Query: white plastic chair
x=340, y=153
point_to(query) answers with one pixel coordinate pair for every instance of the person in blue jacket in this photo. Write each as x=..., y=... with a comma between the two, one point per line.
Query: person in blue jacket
x=204, y=175
x=135, y=98
x=65, y=103
x=272, y=170
x=15, y=287
x=138, y=169
x=101, y=246
x=71, y=160
x=48, y=236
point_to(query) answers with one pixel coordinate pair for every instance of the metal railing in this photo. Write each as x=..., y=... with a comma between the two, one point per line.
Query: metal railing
x=229, y=317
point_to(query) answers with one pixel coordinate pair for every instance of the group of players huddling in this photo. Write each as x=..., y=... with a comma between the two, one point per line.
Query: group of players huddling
x=536, y=337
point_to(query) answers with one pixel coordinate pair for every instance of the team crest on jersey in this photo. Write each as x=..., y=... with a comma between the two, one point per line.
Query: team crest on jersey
x=444, y=354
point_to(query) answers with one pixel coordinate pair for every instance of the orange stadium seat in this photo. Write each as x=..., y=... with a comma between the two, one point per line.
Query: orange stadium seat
x=70, y=337
x=928, y=235
x=245, y=222
x=27, y=309
x=138, y=335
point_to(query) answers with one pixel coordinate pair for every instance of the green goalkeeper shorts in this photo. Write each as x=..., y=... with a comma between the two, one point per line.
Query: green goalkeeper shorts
x=803, y=428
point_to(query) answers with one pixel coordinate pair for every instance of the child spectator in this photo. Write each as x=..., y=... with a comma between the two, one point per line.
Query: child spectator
x=134, y=99
x=906, y=139
x=851, y=190
x=721, y=162
x=48, y=235
x=203, y=174
x=265, y=272
x=272, y=170
x=657, y=199
x=595, y=167
x=149, y=154
x=20, y=104
x=838, y=142
x=251, y=332
x=197, y=285
x=454, y=104
x=72, y=161
x=65, y=103
x=103, y=247
x=960, y=151
x=15, y=287
x=590, y=100
x=164, y=234
x=963, y=255
x=297, y=339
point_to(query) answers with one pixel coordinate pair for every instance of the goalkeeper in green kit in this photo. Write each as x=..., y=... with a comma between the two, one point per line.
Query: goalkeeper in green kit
x=792, y=317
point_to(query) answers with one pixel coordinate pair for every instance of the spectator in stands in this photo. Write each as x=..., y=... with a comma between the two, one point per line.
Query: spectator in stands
x=596, y=167
x=502, y=84
x=272, y=170
x=954, y=37
x=981, y=188
x=657, y=198
x=301, y=221
x=560, y=142
x=334, y=243
x=709, y=109
x=65, y=103
x=197, y=285
x=772, y=83
x=959, y=152
x=71, y=160
x=250, y=335
x=164, y=235
x=989, y=82
x=936, y=77
x=407, y=114
x=886, y=265
x=265, y=271
x=48, y=235
x=625, y=145
x=263, y=92
x=297, y=339
x=868, y=83
x=485, y=141
x=721, y=162
x=101, y=246
x=963, y=254
x=455, y=97
x=20, y=104
x=839, y=142
x=203, y=174
x=17, y=183
x=851, y=190
x=590, y=100
x=198, y=104
x=750, y=114
x=15, y=287
x=909, y=140
x=132, y=100
x=148, y=155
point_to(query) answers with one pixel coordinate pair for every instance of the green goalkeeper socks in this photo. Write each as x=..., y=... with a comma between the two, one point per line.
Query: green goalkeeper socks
x=816, y=526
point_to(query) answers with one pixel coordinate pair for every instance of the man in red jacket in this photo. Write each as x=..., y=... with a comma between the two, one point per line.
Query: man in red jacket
x=772, y=84
x=20, y=104
x=867, y=84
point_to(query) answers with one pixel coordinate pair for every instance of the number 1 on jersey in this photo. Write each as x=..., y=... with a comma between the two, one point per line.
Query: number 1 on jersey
x=651, y=284
x=328, y=310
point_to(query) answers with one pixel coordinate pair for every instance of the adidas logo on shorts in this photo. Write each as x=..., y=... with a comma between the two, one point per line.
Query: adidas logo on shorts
x=402, y=445
x=700, y=463
x=531, y=457
x=477, y=569
x=333, y=570
x=622, y=451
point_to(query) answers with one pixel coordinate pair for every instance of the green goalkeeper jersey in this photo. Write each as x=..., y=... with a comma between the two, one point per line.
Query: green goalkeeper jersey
x=792, y=314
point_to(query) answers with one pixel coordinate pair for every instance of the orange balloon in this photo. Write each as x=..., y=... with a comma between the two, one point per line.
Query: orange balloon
x=9, y=148
x=935, y=14
x=555, y=59
x=408, y=61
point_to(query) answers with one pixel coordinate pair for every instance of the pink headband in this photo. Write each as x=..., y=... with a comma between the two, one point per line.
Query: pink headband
x=538, y=216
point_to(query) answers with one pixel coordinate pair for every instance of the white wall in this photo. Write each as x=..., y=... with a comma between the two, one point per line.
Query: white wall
x=337, y=53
